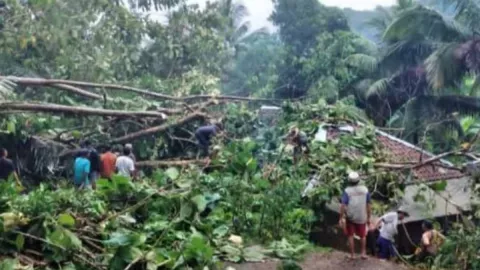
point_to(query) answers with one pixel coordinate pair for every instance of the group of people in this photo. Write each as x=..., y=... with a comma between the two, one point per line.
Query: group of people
x=89, y=165
x=355, y=219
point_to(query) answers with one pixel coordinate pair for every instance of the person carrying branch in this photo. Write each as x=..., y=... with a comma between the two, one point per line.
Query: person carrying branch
x=204, y=136
x=7, y=168
x=388, y=229
x=355, y=212
x=300, y=141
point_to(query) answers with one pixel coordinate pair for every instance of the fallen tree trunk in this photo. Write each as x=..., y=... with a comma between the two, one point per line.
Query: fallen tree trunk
x=57, y=108
x=158, y=129
x=169, y=163
x=61, y=84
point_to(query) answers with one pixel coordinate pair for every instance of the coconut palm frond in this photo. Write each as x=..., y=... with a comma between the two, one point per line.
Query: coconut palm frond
x=407, y=53
x=381, y=21
x=426, y=23
x=425, y=114
x=363, y=62
x=378, y=88
x=241, y=32
x=443, y=66
x=467, y=12
x=360, y=90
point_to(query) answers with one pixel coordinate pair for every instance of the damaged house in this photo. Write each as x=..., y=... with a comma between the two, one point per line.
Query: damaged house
x=442, y=205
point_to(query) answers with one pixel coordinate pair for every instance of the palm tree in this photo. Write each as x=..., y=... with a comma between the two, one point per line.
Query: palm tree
x=236, y=28
x=431, y=52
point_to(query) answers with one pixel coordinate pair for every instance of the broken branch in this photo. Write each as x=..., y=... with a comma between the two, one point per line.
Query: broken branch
x=158, y=129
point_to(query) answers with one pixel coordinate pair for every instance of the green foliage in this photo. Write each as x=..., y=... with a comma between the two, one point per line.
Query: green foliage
x=461, y=248
x=301, y=24
x=254, y=67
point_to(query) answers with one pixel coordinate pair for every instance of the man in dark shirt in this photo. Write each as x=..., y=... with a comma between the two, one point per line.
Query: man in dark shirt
x=6, y=167
x=95, y=163
x=204, y=134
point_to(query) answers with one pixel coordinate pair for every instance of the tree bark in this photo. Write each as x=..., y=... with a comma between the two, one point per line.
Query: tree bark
x=158, y=129
x=57, y=108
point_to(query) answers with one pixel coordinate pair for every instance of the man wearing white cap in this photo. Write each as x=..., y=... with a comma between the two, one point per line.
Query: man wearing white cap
x=132, y=155
x=356, y=209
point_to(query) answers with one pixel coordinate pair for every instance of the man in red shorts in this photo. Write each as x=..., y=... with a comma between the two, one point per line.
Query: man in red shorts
x=356, y=210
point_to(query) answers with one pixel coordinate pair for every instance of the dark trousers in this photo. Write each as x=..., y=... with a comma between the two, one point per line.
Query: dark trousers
x=385, y=247
x=203, y=143
x=372, y=242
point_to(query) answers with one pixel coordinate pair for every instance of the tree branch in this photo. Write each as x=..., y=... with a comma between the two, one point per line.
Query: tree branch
x=57, y=108
x=158, y=129
x=77, y=91
x=423, y=163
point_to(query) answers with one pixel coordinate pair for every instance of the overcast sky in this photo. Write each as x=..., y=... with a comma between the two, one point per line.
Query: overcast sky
x=261, y=9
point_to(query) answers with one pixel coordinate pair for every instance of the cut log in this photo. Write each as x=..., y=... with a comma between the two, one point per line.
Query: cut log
x=161, y=128
x=57, y=108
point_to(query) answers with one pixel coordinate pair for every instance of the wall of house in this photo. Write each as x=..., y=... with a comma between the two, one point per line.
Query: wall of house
x=436, y=204
x=327, y=233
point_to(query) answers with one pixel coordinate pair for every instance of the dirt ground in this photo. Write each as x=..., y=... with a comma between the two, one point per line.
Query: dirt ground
x=328, y=261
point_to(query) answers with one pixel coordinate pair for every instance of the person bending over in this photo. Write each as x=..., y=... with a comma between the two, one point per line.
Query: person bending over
x=204, y=136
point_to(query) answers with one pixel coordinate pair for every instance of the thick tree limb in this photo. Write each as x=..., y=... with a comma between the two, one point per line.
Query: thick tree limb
x=58, y=84
x=77, y=91
x=57, y=108
x=169, y=163
x=423, y=163
x=409, y=166
x=433, y=159
x=161, y=128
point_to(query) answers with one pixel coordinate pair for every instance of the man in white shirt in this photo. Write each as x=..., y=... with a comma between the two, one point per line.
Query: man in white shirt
x=388, y=230
x=125, y=165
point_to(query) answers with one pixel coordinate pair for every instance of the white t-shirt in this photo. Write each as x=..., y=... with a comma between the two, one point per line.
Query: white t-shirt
x=125, y=166
x=389, y=226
